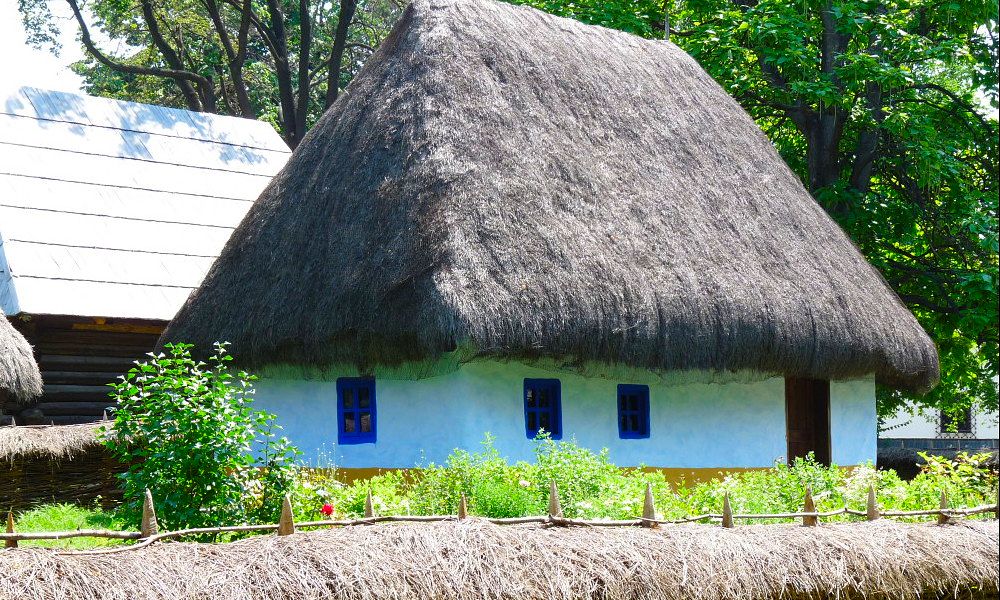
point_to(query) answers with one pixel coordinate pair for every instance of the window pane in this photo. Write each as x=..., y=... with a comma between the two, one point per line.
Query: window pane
x=348, y=396
x=623, y=423
x=633, y=423
x=531, y=397
x=532, y=423
x=348, y=422
x=366, y=422
x=543, y=421
x=364, y=397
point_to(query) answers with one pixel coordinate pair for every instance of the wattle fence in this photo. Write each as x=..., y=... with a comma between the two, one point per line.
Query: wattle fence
x=149, y=532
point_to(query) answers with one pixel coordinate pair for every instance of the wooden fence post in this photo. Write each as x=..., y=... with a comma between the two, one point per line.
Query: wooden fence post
x=369, y=508
x=649, y=509
x=10, y=529
x=463, y=508
x=148, y=526
x=871, y=511
x=727, y=512
x=943, y=519
x=286, y=523
x=809, y=507
x=555, y=510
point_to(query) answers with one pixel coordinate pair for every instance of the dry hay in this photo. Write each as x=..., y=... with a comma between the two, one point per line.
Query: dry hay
x=55, y=463
x=472, y=559
x=19, y=376
x=48, y=441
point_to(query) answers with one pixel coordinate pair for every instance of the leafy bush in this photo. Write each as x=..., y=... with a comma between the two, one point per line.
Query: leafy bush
x=592, y=487
x=189, y=433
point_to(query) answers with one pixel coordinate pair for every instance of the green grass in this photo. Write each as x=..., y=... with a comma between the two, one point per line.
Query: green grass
x=66, y=517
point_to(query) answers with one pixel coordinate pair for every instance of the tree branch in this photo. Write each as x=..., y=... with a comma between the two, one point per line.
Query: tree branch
x=181, y=77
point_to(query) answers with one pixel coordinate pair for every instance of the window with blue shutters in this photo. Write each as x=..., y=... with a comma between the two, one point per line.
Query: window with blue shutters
x=356, y=422
x=633, y=411
x=542, y=407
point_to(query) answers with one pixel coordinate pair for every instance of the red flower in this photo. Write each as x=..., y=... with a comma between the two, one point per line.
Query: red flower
x=327, y=509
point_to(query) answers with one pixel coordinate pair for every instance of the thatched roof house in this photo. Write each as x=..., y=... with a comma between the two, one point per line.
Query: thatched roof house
x=499, y=183
x=19, y=377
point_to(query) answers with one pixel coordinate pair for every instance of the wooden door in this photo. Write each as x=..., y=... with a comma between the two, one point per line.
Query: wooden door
x=807, y=418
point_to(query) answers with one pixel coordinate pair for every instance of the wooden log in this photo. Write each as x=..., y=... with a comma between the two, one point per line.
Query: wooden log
x=463, y=508
x=871, y=511
x=808, y=506
x=649, y=509
x=286, y=523
x=10, y=529
x=555, y=509
x=943, y=518
x=148, y=526
x=727, y=512
x=369, y=508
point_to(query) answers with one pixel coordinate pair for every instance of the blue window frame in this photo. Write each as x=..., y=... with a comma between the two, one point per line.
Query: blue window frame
x=633, y=411
x=356, y=421
x=542, y=407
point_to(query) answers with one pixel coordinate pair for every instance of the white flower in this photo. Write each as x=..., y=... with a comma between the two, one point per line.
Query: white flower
x=524, y=483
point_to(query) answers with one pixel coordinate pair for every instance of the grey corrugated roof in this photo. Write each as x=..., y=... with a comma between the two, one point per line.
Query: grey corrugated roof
x=117, y=209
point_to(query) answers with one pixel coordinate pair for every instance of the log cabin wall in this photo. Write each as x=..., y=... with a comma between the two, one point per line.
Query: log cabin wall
x=78, y=358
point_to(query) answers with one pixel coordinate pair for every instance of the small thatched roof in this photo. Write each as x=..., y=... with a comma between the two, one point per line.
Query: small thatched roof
x=54, y=442
x=500, y=179
x=472, y=560
x=19, y=375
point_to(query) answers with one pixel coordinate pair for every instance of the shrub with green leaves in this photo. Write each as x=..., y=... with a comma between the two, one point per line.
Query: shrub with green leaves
x=592, y=487
x=188, y=432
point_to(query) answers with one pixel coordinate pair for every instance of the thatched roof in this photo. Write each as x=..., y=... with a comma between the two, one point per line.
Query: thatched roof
x=19, y=375
x=55, y=442
x=508, y=181
x=471, y=560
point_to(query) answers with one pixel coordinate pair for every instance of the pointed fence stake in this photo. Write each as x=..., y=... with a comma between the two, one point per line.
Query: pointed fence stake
x=555, y=510
x=727, y=512
x=148, y=526
x=996, y=513
x=369, y=508
x=463, y=508
x=943, y=519
x=871, y=511
x=808, y=506
x=649, y=509
x=286, y=523
x=10, y=529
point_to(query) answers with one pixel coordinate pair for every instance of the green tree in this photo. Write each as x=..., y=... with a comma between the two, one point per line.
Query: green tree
x=283, y=61
x=189, y=433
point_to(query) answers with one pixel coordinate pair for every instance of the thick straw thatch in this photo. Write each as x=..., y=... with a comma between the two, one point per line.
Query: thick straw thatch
x=57, y=463
x=472, y=560
x=19, y=376
x=56, y=442
x=523, y=185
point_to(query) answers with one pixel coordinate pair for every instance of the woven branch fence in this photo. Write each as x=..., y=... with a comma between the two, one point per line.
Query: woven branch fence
x=149, y=531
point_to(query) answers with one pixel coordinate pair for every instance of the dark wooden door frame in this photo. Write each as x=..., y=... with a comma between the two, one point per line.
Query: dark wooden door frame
x=807, y=418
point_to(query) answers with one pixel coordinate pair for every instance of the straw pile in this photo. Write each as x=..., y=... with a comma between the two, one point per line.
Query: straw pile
x=55, y=463
x=470, y=560
x=20, y=380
